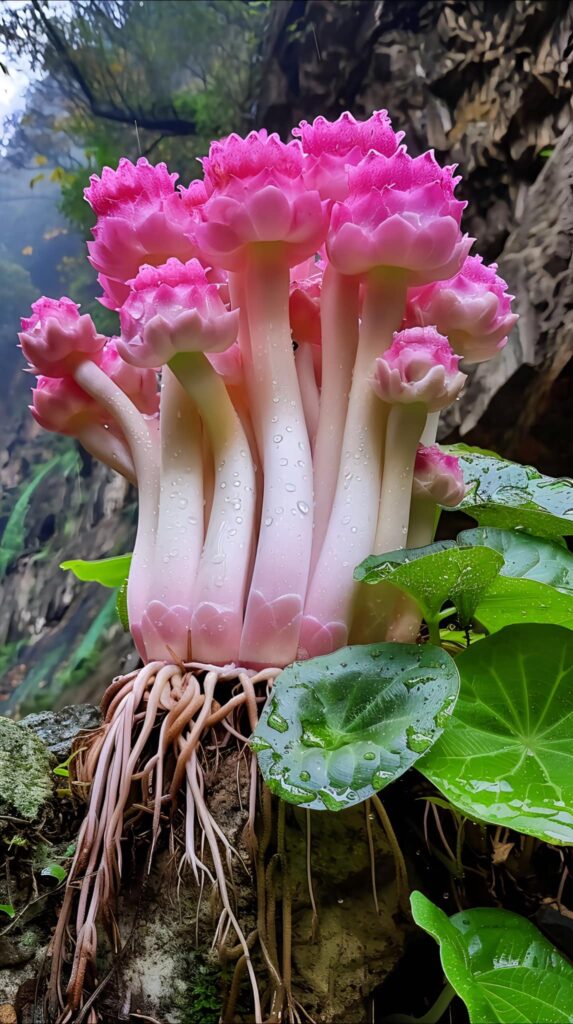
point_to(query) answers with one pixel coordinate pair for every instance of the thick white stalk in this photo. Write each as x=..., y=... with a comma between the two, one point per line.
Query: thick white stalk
x=274, y=608
x=339, y=328
x=430, y=432
x=403, y=431
x=144, y=452
x=351, y=528
x=180, y=526
x=424, y=517
x=222, y=575
x=109, y=449
x=308, y=389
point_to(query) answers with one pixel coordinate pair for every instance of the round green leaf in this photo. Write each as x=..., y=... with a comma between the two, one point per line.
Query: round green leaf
x=437, y=573
x=508, y=495
x=525, y=557
x=338, y=728
x=507, y=754
x=500, y=965
x=110, y=572
x=509, y=601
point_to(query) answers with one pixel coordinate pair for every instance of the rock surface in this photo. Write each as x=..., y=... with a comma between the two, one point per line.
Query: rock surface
x=26, y=781
x=57, y=729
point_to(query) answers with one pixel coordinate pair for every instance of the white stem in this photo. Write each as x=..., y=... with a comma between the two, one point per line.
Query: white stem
x=352, y=525
x=145, y=457
x=222, y=576
x=274, y=608
x=430, y=431
x=109, y=449
x=424, y=517
x=308, y=389
x=339, y=328
x=404, y=428
x=180, y=524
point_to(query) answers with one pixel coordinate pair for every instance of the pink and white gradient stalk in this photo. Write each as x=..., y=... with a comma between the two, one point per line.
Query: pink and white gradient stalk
x=266, y=474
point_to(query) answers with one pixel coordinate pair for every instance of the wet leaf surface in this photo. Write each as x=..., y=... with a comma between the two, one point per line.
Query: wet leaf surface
x=500, y=965
x=510, y=496
x=435, y=574
x=525, y=556
x=507, y=755
x=340, y=727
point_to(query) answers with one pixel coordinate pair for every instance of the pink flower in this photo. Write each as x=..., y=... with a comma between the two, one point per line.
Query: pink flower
x=438, y=477
x=59, y=405
x=56, y=338
x=419, y=366
x=257, y=194
x=235, y=158
x=304, y=308
x=473, y=308
x=171, y=309
x=141, y=219
x=140, y=385
x=401, y=212
x=128, y=183
x=331, y=146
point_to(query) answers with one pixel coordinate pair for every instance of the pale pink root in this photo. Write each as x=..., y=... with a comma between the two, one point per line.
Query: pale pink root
x=154, y=718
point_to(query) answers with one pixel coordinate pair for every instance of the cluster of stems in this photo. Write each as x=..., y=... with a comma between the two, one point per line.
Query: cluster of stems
x=284, y=448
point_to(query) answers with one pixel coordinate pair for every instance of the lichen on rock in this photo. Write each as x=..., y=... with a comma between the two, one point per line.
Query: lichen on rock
x=25, y=772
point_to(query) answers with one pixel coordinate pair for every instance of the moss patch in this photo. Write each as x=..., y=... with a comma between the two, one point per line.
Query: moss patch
x=25, y=772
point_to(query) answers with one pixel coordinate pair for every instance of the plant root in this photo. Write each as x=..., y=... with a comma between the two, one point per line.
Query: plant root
x=148, y=758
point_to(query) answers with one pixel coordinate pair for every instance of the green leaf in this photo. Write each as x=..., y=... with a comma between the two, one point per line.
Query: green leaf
x=508, y=495
x=525, y=557
x=434, y=574
x=508, y=601
x=507, y=754
x=340, y=727
x=7, y=908
x=54, y=871
x=110, y=572
x=502, y=967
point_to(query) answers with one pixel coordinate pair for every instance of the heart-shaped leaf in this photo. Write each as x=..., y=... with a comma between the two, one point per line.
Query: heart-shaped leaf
x=110, y=572
x=506, y=755
x=340, y=727
x=502, y=967
x=508, y=495
x=509, y=601
x=525, y=556
x=435, y=574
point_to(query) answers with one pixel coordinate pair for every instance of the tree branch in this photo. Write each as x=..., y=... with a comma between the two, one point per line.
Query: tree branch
x=151, y=122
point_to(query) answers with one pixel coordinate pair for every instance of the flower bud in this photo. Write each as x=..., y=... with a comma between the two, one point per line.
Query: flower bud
x=59, y=405
x=419, y=366
x=141, y=219
x=473, y=308
x=438, y=477
x=331, y=147
x=257, y=195
x=171, y=309
x=401, y=212
x=56, y=338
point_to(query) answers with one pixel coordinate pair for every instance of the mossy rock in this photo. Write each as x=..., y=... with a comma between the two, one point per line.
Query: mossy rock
x=26, y=782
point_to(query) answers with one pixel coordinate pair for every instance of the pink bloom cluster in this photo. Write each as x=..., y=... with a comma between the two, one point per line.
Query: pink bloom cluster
x=305, y=307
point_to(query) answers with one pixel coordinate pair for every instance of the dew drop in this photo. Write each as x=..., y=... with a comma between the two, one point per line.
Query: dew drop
x=302, y=507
